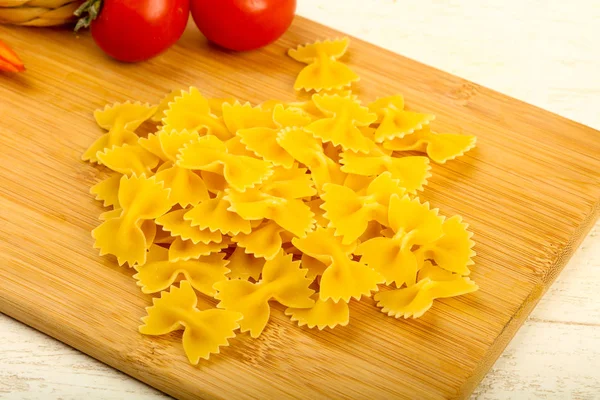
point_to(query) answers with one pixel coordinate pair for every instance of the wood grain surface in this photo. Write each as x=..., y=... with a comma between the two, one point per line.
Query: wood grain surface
x=530, y=192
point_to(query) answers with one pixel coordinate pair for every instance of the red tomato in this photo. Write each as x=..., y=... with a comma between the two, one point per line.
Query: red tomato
x=136, y=30
x=243, y=24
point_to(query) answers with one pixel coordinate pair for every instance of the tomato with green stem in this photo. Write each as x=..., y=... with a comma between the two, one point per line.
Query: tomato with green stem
x=134, y=30
x=242, y=25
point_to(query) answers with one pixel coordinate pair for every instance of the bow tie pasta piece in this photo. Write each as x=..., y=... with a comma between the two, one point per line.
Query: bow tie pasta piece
x=412, y=172
x=216, y=105
x=162, y=236
x=412, y=223
x=210, y=154
x=323, y=71
x=192, y=112
x=214, y=214
x=175, y=223
x=141, y=199
x=343, y=278
x=243, y=116
x=187, y=188
x=151, y=143
x=245, y=266
x=440, y=147
x=413, y=301
x=165, y=104
x=204, y=331
x=107, y=191
x=315, y=267
x=379, y=106
x=215, y=183
x=308, y=150
x=237, y=148
x=344, y=116
x=264, y=241
x=292, y=183
x=315, y=206
x=324, y=313
x=291, y=214
x=120, y=120
x=394, y=121
x=282, y=280
x=350, y=213
x=129, y=159
x=262, y=141
x=184, y=250
x=159, y=273
x=172, y=142
x=454, y=250
x=290, y=117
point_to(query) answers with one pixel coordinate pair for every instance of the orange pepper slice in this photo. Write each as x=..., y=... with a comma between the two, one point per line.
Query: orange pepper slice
x=9, y=60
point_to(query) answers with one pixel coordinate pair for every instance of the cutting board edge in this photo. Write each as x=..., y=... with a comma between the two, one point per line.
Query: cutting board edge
x=519, y=317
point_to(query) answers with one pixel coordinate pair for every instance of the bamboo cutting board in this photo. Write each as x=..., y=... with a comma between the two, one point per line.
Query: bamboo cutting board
x=530, y=191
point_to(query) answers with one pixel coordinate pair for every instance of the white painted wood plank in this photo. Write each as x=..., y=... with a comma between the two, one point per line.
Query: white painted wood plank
x=544, y=52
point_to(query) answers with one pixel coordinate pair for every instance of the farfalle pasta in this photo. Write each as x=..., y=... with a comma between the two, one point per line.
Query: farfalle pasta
x=159, y=273
x=323, y=71
x=282, y=280
x=205, y=331
x=440, y=147
x=121, y=121
x=308, y=203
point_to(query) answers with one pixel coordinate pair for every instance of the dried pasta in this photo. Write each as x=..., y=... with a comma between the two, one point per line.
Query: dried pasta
x=323, y=71
x=309, y=203
x=158, y=273
x=204, y=331
x=121, y=121
x=440, y=147
x=282, y=280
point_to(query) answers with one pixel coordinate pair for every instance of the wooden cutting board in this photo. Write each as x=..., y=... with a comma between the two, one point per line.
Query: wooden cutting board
x=530, y=190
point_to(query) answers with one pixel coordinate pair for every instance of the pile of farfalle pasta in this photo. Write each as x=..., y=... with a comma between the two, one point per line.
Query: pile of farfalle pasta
x=308, y=204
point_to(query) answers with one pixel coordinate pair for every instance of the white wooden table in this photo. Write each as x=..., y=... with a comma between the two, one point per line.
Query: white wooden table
x=544, y=52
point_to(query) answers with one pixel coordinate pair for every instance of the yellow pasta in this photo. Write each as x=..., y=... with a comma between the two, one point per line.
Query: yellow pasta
x=325, y=313
x=175, y=223
x=345, y=116
x=282, y=280
x=245, y=266
x=350, y=213
x=238, y=116
x=107, y=191
x=323, y=71
x=183, y=250
x=262, y=141
x=264, y=241
x=440, y=147
x=141, y=199
x=308, y=150
x=343, y=278
x=412, y=172
x=121, y=121
x=204, y=331
x=129, y=159
x=394, y=121
x=413, y=301
x=214, y=214
x=453, y=251
x=165, y=104
x=309, y=203
x=192, y=112
x=159, y=273
x=412, y=223
x=210, y=154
